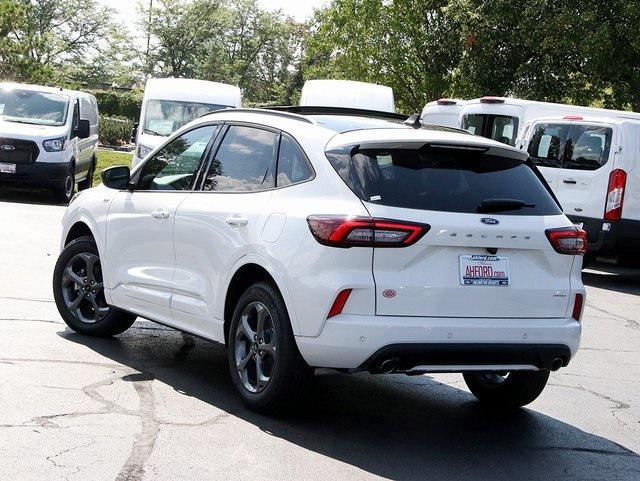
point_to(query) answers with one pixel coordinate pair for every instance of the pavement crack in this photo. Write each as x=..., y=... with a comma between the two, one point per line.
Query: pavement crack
x=30, y=299
x=607, y=452
x=630, y=323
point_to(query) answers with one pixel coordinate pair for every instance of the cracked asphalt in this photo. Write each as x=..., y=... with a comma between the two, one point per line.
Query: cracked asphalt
x=155, y=404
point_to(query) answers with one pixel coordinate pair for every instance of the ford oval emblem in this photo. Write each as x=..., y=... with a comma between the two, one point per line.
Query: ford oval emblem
x=7, y=147
x=489, y=221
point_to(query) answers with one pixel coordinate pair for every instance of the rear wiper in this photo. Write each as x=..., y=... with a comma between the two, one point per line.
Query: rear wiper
x=500, y=205
x=152, y=132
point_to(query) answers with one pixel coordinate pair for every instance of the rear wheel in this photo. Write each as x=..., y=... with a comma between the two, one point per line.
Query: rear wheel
x=78, y=290
x=265, y=364
x=511, y=390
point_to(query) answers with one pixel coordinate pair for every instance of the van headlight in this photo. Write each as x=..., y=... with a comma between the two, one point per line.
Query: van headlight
x=143, y=151
x=54, y=145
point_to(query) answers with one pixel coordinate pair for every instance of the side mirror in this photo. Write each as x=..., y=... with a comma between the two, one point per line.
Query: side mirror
x=134, y=132
x=116, y=177
x=84, y=129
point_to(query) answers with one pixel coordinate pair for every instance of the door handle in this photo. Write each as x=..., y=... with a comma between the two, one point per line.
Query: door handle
x=236, y=220
x=160, y=214
x=569, y=181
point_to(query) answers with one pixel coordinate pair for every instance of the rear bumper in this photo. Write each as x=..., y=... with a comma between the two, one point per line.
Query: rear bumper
x=353, y=342
x=41, y=174
x=617, y=237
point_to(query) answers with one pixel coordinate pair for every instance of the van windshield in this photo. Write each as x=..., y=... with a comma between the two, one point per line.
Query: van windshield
x=33, y=107
x=164, y=117
x=503, y=128
x=443, y=178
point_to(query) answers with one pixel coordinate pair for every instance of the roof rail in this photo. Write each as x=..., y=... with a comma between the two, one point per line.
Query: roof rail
x=324, y=110
x=268, y=111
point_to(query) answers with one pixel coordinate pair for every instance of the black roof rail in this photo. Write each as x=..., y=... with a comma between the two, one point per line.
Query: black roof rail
x=267, y=111
x=324, y=110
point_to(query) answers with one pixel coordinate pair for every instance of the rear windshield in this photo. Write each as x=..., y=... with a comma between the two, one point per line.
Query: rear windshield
x=502, y=128
x=444, y=178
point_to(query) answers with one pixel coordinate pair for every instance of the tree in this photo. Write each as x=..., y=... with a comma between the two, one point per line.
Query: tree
x=50, y=40
x=409, y=45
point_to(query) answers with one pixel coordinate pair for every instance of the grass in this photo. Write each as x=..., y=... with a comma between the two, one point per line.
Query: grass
x=109, y=158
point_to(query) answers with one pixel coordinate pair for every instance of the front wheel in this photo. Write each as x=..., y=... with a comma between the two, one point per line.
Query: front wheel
x=78, y=290
x=265, y=364
x=63, y=191
x=511, y=390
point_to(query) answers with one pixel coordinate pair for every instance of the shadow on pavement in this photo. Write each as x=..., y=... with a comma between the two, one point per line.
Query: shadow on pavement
x=614, y=278
x=25, y=195
x=397, y=427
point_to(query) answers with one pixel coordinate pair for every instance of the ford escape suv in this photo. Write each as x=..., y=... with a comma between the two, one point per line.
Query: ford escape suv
x=320, y=237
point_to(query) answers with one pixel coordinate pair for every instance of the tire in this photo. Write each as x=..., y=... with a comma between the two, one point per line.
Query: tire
x=285, y=373
x=88, y=182
x=514, y=390
x=77, y=267
x=64, y=190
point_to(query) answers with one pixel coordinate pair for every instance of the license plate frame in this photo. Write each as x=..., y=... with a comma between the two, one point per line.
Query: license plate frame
x=484, y=270
x=7, y=168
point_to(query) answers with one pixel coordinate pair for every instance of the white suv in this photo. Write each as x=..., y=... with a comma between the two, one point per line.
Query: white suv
x=320, y=237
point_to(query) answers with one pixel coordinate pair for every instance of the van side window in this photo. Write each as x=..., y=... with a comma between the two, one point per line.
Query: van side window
x=244, y=162
x=587, y=147
x=76, y=116
x=174, y=167
x=547, y=143
x=293, y=166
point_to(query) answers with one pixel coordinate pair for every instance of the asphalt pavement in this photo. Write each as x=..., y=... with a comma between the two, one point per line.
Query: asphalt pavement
x=155, y=404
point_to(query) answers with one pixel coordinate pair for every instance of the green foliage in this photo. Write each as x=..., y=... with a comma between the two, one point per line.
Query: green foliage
x=233, y=42
x=109, y=158
x=115, y=103
x=115, y=131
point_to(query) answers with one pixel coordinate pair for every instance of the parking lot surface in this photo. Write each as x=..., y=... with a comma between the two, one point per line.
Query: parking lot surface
x=156, y=404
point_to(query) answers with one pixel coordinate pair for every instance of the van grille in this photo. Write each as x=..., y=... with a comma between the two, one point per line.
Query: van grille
x=23, y=151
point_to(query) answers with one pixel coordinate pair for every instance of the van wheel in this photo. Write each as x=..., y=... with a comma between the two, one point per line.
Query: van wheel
x=79, y=292
x=64, y=190
x=265, y=364
x=88, y=182
x=512, y=390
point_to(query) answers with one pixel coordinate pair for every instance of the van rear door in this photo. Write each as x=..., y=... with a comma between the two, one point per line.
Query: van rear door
x=587, y=162
x=545, y=148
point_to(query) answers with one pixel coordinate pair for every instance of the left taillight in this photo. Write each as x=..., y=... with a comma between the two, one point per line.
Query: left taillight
x=568, y=240
x=346, y=231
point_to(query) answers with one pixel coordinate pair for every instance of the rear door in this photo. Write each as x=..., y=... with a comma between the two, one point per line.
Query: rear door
x=587, y=161
x=545, y=148
x=470, y=264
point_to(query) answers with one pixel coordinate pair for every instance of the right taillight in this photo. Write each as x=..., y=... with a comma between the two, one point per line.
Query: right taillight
x=346, y=231
x=577, y=306
x=615, y=195
x=568, y=240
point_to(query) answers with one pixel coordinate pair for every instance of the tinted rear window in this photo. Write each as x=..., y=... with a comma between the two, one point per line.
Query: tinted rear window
x=442, y=179
x=502, y=128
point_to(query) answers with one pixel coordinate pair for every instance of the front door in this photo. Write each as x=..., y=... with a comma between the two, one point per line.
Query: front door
x=139, y=239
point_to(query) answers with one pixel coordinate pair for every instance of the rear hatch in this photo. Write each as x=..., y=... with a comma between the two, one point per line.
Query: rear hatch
x=486, y=253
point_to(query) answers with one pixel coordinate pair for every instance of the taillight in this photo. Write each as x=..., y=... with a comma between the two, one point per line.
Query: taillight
x=572, y=117
x=491, y=100
x=338, y=304
x=577, y=307
x=343, y=231
x=615, y=195
x=568, y=240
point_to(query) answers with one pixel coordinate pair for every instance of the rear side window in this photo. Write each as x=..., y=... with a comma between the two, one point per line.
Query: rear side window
x=293, y=166
x=244, y=162
x=442, y=178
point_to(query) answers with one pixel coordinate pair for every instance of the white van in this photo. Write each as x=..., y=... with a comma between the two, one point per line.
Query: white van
x=504, y=118
x=347, y=94
x=170, y=103
x=48, y=137
x=444, y=112
x=592, y=164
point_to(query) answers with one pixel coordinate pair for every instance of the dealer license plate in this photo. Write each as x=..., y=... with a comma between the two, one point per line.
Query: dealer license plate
x=484, y=270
